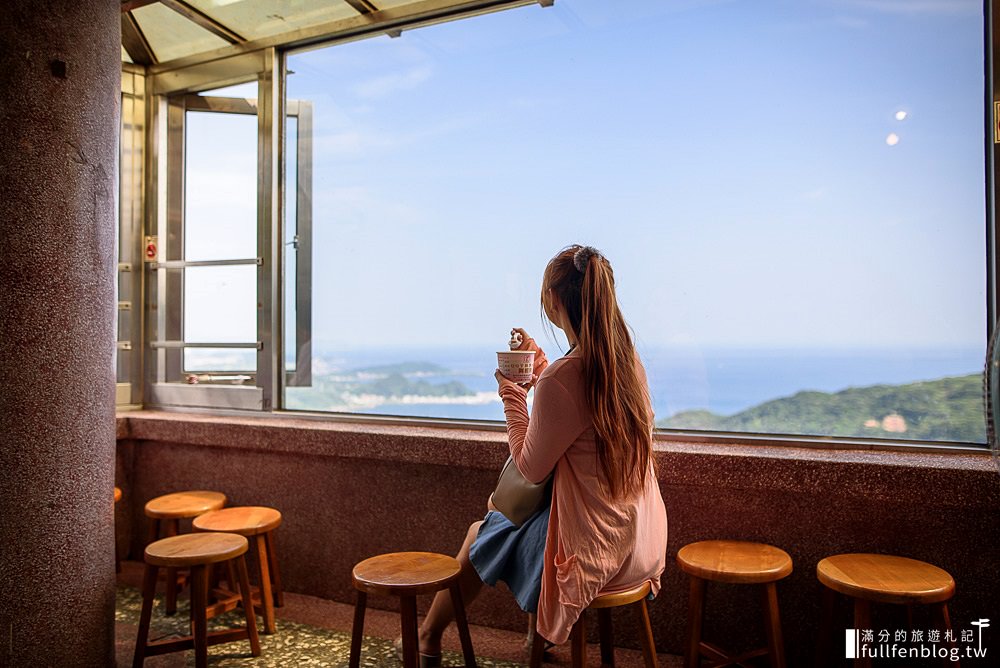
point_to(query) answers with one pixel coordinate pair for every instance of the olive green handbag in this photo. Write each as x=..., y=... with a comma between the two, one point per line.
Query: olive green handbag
x=516, y=498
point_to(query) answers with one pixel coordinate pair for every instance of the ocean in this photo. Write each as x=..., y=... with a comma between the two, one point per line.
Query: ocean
x=680, y=379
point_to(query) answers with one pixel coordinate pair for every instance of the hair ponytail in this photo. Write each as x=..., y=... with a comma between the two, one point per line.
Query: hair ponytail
x=583, y=281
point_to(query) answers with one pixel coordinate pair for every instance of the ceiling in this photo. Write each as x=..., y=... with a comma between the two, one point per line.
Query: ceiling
x=157, y=32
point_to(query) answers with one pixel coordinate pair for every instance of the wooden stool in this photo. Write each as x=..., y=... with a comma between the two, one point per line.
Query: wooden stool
x=881, y=578
x=195, y=551
x=603, y=605
x=168, y=510
x=256, y=523
x=118, y=563
x=408, y=575
x=736, y=562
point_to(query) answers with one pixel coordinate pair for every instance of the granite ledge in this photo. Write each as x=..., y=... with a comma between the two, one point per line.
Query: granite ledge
x=917, y=476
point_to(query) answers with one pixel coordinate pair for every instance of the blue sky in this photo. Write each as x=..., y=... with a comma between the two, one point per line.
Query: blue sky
x=730, y=158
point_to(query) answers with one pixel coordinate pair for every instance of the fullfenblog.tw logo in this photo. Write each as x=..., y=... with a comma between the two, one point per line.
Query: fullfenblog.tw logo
x=916, y=643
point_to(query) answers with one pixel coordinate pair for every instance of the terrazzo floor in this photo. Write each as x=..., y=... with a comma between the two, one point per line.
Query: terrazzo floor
x=316, y=632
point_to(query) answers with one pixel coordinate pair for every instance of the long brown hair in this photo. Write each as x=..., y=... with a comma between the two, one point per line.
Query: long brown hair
x=582, y=280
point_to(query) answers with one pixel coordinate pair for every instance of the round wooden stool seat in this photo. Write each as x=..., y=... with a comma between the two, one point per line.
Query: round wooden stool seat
x=184, y=504
x=244, y=520
x=198, y=551
x=734, y=561
x=621, y=598
x=166, y=512
x=884, y=578
x=635, y=597
x=881, y=578
x=193, y=549
x=256, y=523
x=406, y=573
x=118, y=494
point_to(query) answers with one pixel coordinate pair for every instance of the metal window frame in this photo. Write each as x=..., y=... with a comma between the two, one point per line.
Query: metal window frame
x=232, y=65
x=174, y=96
x=347, y=31
x=132, y=158
x=165, y=345
x=270, y=115
x=302, y=375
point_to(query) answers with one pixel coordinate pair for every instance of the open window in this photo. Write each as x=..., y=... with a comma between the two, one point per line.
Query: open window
x=214, y=260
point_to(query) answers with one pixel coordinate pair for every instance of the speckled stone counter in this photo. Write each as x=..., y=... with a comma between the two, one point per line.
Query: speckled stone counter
x=349, y=490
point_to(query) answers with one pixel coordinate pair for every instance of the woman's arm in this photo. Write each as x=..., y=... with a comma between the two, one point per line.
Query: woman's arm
x=537, y=444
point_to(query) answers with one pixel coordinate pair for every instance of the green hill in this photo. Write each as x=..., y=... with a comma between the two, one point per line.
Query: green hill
x=949, y=409
x=398, y=385
x=424, y=368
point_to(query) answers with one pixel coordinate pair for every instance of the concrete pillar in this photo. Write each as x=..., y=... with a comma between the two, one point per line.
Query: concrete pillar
x=60, y=77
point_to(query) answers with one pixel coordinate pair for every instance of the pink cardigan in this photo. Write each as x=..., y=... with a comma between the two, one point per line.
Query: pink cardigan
x=595, y=545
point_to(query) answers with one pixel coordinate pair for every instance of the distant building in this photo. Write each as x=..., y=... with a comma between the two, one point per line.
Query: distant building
x=894, y=423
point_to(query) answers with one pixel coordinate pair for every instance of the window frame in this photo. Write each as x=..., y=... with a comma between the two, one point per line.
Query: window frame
x=268, y=67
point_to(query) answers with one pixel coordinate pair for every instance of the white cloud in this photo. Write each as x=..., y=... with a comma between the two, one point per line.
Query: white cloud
x=385, y=85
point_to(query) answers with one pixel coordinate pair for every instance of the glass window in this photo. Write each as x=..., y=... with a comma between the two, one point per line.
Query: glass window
x=256, y=19
x=791, y=195
x=171, y=36
x=220, y=235
x=220, y=186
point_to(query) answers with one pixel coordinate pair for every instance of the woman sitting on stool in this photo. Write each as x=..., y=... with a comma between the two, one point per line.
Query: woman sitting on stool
x=591, y=423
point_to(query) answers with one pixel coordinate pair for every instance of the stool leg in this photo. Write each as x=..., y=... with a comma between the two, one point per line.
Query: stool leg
x=171, y=529
x=192, y=609
x=829, y=599
x=231, y=579
x=458, y=606
x=279, y=596
x=148, y=592
x=696, y=609
x=537, y=651
x=607, y=636
x=241, y=570
x=358, y=629
x=772, y=624
x=578, y=643
x=646, y=631
x=198, y=603
x=154, y=531
x=408, y=622
x=944, y=619
x=862, y=620
x=266, y=600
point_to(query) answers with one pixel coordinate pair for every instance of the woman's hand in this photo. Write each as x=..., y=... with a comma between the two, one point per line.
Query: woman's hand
x=528, y=343
x=504, y=381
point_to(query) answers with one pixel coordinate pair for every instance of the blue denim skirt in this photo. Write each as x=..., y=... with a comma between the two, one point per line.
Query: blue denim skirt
x=504, y=552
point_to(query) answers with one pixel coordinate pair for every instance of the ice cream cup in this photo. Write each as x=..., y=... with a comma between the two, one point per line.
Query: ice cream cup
x=516, y=365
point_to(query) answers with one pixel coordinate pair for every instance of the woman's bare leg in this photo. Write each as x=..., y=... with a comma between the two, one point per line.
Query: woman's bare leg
x=441, y=613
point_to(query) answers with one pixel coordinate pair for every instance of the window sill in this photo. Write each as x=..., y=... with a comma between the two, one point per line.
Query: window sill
x=966, y=479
